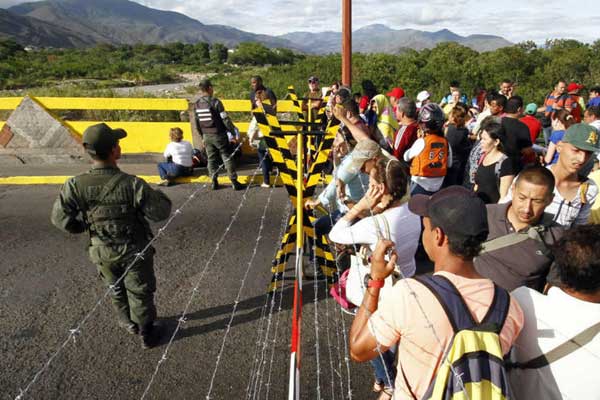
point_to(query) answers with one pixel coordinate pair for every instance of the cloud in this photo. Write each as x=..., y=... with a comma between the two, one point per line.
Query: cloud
x=516, y=20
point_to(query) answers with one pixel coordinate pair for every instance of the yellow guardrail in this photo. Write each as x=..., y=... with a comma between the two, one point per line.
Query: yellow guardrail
x=142, y=136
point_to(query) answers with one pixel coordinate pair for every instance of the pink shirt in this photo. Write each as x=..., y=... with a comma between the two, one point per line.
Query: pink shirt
x=400, y=319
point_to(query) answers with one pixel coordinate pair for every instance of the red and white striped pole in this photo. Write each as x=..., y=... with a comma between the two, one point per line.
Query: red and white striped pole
x=294, y=383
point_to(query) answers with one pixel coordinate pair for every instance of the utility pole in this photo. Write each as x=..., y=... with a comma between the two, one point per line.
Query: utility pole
x=347, y=42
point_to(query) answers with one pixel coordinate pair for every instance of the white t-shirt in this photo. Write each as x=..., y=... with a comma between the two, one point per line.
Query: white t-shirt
x=181, y=152
x=430, y=184
x=549, y=322
x=405, y=229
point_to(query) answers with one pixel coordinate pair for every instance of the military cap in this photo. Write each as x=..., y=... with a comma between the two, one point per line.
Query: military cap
x=100, y=138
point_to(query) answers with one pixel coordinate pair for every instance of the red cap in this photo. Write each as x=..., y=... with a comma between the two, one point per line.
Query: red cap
x=574, y=86
x=396, y=92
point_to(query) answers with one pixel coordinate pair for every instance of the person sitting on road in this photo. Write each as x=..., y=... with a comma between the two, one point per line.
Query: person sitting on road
x=178, y=155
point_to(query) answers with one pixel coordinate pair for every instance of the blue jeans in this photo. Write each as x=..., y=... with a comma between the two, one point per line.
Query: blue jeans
x=388, y=363
x=170, y=170
x=324, y=224
x=266, y=164
x=415, y=188
x=547, y=131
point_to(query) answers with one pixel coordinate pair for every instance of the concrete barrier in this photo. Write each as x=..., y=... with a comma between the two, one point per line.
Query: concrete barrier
x=35, y=113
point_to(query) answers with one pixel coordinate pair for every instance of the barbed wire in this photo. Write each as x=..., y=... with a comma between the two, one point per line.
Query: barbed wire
x=421, y=308
x=239, y=294
x=262, y=364
x=341, y=314
x=75, y=332
x=315, y=302
x=195, y=289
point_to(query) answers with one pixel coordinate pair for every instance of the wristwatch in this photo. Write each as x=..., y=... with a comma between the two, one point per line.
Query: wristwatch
x=373, y=283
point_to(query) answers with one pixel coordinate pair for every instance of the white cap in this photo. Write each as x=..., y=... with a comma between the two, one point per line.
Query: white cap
x=423, y=95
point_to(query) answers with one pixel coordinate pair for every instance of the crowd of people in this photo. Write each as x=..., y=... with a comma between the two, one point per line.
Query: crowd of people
x=509, y=224
x=507, y=220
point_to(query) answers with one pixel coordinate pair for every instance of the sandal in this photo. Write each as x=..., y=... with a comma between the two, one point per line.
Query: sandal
x=386, y=394
x=378, y=386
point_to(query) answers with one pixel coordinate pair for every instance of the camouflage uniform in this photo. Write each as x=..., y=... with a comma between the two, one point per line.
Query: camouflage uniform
x=116, y=221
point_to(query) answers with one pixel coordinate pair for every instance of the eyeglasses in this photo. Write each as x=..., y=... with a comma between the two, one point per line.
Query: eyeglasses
x=313, y=81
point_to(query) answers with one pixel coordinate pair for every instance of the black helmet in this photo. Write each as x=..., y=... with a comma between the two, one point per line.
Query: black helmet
x=432, y=117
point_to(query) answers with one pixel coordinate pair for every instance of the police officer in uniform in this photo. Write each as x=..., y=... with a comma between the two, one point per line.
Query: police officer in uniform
x=113, y=206
x=213, y=123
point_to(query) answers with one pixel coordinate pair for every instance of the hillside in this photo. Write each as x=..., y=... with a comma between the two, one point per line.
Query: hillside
x=380, y=38
x=77, y=23
x=30, y=31
x=128, y=22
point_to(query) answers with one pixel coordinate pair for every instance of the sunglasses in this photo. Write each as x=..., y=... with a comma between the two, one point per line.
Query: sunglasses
x=313, y=81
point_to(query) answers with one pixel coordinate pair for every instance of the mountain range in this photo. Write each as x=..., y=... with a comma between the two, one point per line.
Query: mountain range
x=80, y=23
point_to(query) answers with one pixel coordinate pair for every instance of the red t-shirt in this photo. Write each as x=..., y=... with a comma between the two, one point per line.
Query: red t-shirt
x=406, y=141
x=534, y=125
x=364, y=103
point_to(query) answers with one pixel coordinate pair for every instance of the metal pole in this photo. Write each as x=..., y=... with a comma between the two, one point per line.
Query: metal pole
x=294, y=383
x=347, y=42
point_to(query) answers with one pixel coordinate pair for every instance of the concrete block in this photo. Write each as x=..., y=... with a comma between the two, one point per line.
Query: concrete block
x=32, y=132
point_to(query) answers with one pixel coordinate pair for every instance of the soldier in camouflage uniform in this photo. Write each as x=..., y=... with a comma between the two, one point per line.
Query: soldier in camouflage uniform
x=113, y=206
x=213, y=123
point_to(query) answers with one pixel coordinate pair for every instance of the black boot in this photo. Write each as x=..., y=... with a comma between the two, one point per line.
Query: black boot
x=151, y=335
x=236, y=185
x=215, y=183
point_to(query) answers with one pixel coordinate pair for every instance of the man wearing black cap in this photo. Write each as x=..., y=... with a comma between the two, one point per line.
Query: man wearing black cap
x=213, y=123
x=455, y=226
x=113, y=207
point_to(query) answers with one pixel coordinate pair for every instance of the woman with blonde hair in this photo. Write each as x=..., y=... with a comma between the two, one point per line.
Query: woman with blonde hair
x=178, y=156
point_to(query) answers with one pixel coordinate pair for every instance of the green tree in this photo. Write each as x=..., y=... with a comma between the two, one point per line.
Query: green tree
x=218, y=53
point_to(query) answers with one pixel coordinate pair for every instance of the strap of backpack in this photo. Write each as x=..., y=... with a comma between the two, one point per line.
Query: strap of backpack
x=110, y=185
x=450, y=299
x=535, y=233
x=497, y=312
x=562, y=350
x=583, y=192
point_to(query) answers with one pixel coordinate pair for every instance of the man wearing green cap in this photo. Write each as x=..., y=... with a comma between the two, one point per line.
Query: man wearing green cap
x=113, y=207
x=574, y=195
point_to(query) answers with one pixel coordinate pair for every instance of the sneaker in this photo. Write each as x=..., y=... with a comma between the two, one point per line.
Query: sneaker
x=265, y=185
x=130, y=327
x=165, y=182
x=215, y=183
x=236, y=185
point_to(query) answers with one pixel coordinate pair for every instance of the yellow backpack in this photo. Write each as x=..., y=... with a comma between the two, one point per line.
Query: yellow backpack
x=473, y=368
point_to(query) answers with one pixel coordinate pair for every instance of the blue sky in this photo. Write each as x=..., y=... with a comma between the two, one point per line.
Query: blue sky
x=514, y=20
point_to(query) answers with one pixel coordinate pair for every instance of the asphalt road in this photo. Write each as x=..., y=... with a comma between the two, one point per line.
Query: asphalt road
x=48, y=285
